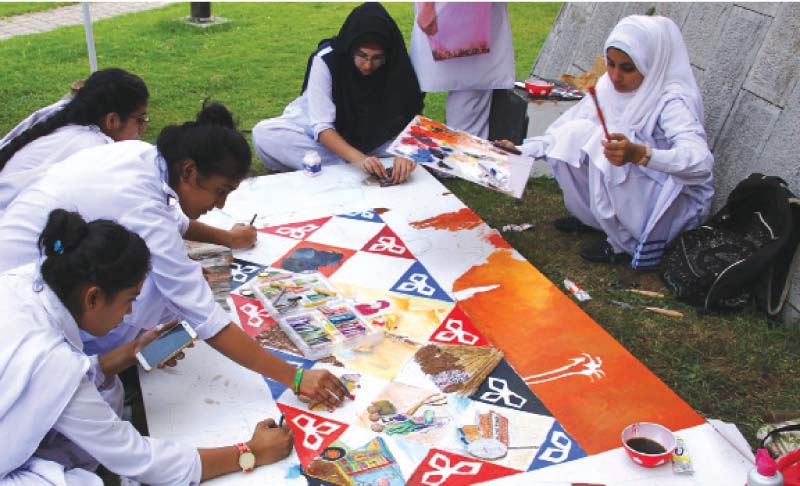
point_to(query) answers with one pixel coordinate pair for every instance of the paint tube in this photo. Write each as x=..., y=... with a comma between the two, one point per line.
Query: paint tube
x=575, y=290
x=681, y=462
x=517, y=227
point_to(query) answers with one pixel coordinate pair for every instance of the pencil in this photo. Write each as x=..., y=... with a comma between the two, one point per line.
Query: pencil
x=599, y=111
x=254, y=219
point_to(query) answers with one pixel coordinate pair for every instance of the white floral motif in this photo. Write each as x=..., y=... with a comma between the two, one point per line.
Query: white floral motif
x=312, y=431
x=255, y=316
x=388, y=243
x=241, y=273
x=501, y=391
x=560, y=449
x=417, y=282
x=443, y=469
x=592, y=367
x=454, y=331
x=298, y=232
x=363, y=214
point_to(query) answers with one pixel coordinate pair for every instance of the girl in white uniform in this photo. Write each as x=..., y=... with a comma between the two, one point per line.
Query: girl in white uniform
x=653, y=178
x=110, y=107
x=91, y=275
x=359, y=93
x=195, y=166
x=469, y=80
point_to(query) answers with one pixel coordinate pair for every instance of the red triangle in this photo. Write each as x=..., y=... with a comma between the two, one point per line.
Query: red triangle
x=252, y=315
x=457, y=328
x=441, y=468
x=386, y=242
x=312, y=433
x=296, y=231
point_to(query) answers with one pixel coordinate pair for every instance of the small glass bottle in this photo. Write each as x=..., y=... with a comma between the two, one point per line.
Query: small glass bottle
x=312, y=164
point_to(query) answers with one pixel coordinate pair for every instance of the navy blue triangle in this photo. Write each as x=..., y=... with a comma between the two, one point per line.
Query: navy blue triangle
x=366, y=215
x=417, y=281
x=277, y=388
x=505, y=388
x=558, y=448
x=243, y=271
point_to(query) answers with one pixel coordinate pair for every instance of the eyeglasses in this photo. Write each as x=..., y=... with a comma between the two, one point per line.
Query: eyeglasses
x=362, y=58
x=142, y=120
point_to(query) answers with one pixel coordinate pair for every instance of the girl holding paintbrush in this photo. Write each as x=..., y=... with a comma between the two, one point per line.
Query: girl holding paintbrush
x=632, y=160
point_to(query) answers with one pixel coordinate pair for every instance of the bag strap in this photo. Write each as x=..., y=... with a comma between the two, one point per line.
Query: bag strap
x=785, y=428
x=773, y=310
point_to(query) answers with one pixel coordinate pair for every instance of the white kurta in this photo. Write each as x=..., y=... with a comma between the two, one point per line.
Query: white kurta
x=282, y=142
x=33, y=160
x=34, y=118
x=43, y=375
x=125, y=182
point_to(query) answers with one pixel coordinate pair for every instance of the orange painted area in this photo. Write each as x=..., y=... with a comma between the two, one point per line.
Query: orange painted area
x=541, y=330
x=496, y=240
x=453, y=221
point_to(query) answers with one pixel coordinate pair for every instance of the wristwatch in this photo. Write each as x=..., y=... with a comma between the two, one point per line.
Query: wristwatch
x=247, y=460
x=648, y=152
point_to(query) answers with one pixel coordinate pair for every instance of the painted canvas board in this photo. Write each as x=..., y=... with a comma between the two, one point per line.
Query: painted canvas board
x=460, y=154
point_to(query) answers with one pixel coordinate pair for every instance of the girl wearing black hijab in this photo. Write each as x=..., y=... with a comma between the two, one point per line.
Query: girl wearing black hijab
x=359, y=92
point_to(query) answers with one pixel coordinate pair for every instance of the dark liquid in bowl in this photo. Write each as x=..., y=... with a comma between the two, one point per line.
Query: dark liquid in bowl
x=646, y=446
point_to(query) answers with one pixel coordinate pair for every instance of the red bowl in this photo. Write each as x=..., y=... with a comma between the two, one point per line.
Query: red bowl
x=538, y=87
x=647, y=433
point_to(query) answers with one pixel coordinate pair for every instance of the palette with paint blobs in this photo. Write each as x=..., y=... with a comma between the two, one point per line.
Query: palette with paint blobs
x=283, y=292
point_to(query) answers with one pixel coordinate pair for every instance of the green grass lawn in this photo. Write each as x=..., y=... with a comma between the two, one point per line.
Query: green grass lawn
x=731, y=367
x=8, y=9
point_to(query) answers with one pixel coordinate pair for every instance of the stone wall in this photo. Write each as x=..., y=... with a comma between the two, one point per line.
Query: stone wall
x=746, y=59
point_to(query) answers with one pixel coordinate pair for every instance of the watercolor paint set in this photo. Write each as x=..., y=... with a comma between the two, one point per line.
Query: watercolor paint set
x=327, y=329
x=282, y=292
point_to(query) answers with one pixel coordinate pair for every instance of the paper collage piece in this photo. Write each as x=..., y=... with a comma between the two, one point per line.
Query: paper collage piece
x=460, y=154
x=296, y=231
x=314, y=257
x=387, y=243
x=253, y=318
x=312, y=433
x=558, y=448
x=276, y=388
x=454, y=369
x=442, y=468
x=372, y=464
x=242, y=271
x=505, y=388
x=366, y=215
x=417, y=281
x=457, y=328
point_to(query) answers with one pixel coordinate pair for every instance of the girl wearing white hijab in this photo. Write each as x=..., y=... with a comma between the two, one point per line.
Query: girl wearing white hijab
x=51, y=415
x=652, y=179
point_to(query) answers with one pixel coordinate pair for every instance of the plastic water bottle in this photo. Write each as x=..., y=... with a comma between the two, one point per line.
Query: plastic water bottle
x=766, y=471
x=312, y=164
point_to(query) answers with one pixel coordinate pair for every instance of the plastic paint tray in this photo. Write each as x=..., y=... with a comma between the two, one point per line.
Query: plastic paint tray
x=282, y=292
x=332, y=328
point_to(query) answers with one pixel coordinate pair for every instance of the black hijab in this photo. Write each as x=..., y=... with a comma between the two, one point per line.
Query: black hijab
x=370, y=110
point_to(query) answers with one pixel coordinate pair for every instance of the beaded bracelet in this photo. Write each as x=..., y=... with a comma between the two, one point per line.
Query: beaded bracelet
x=298, y=377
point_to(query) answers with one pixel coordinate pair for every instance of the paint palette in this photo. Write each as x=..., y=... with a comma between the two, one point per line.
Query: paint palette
x=328, y=329
x=283, y=292
x=460, y=154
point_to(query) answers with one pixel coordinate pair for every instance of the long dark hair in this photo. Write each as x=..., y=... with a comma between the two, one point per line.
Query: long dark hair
x=111, y=90
x=101, y=253
x=211, y=141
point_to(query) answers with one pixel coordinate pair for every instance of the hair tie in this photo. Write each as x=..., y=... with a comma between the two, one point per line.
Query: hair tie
x=58, y=248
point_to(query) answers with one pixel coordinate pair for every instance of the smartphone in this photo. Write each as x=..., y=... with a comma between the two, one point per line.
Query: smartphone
x=168, y=344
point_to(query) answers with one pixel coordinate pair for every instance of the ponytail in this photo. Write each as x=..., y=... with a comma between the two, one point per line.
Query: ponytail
x=211, y=141
x=101, y=253
x=108, y=91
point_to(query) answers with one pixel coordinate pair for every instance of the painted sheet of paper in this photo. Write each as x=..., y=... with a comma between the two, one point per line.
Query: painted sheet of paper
x=460, y=154
x=463, y=29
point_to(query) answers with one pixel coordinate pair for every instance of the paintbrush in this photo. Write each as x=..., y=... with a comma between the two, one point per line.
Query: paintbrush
x=657, y=310
x=507, y=149
x=599, y=111
x=254, y=219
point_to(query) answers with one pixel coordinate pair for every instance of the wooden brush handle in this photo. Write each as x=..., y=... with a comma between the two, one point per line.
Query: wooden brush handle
x=665, y=312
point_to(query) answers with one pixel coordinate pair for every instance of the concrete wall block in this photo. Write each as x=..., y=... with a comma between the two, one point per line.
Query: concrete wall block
x=791, y=310
x=699, y=75
x=730, y=62
x=765, y=8
x=741, y=143
x=777, y=64
x=677, y=11
x=604, y=18
x=561, y=44
x=702, y=27
x=780, y=154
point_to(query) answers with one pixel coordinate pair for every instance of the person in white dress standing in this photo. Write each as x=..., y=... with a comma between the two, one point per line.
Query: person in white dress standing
x=465, y=49
x=90, y=276
x=652, y=178
x=359, y=93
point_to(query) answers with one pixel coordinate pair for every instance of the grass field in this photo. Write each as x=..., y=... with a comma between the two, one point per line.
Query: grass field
x=732, y=367
x=8, y=9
